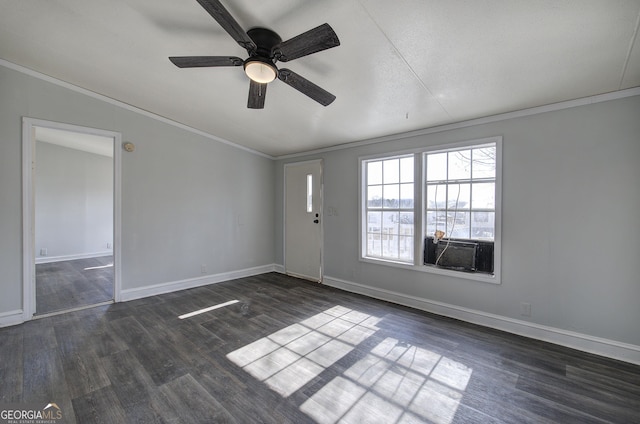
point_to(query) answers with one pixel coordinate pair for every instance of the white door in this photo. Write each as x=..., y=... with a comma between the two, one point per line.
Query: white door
x=303, y=220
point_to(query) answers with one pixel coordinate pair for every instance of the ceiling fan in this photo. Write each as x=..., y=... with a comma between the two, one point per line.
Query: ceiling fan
x=265, y=48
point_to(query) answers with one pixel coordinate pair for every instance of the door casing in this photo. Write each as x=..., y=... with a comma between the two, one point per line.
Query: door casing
x=29, y=126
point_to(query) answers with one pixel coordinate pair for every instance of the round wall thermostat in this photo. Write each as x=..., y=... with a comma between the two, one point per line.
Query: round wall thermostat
x=129, y=147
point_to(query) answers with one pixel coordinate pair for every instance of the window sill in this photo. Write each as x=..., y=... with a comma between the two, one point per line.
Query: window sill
x=430, y=269
x=475, y=276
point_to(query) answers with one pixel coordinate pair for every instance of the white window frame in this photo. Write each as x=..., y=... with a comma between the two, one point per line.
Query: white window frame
x=365, y=209
x=420, y=208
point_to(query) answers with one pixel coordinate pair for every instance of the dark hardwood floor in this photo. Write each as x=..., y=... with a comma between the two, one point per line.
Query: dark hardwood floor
x=283, y=350
x=71, y=284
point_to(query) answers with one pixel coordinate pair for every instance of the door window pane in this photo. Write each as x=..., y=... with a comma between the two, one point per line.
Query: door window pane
x=309, y=193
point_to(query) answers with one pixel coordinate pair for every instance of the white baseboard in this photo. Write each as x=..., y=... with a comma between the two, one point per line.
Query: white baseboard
x=50, y=259
x=584, y=342
x=168, y=287
x=11, y=318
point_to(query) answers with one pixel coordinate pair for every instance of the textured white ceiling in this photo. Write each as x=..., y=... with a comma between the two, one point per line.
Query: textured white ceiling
x=401, y=66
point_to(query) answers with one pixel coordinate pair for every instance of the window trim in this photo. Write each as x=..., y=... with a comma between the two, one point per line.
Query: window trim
x=362, y=175
x=420, y=207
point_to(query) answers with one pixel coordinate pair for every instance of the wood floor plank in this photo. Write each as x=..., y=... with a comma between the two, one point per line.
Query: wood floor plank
x=235, y=330
x=130, y=382
x=100, y=406
x=159, y=364
x=292, y=351
x=590, y=400
x=134, y=387
x=39, y=335
x=202, y=339
x=608, y=382
x=44, y=381
x=11, y=364
x=82, y=369
x=43, y=375
x=191, y=403
x=70, y=284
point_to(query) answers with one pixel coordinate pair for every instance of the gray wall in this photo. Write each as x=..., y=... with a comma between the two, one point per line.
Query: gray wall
x=571, y=233
x=187, y=200
x=571, y=227
x=74, y=202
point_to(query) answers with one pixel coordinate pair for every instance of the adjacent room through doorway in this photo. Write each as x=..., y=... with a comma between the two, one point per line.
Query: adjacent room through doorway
x=73, y=192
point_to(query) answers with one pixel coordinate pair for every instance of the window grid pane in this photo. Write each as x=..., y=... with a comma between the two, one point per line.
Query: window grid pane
x=389, y=209
x=460, y=193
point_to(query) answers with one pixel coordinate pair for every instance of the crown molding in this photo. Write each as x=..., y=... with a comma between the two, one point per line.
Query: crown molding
x=568, y=104
x=118, y=103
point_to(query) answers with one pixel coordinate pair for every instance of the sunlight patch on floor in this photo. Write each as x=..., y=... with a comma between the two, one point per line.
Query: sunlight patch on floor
x=395, y=383
x=210, y=308
x=290, y=358
x=98, y=267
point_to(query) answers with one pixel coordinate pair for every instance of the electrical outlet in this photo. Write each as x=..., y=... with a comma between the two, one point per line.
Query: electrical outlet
x=43, y=252
x=525, y=309
x=203, y=268
x=108, y=245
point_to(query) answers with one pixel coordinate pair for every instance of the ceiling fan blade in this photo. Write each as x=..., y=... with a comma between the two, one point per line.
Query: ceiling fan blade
x=306, y=87
x=257, y=93
x=315, y=40
x=205, y=61
x=226, y=21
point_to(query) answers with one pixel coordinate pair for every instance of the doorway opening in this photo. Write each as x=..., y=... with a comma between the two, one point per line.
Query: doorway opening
x=71, y=215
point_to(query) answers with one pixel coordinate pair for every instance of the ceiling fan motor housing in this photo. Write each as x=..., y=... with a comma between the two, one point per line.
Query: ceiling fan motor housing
x=265, y=40
x=260, y=65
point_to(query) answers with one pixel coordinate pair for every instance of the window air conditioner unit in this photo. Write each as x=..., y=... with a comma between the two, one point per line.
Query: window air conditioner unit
x=457, y=255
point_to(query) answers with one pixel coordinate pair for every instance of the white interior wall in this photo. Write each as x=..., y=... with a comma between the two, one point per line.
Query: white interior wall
x=571, y=234
x=187, y=200
x=73, y=203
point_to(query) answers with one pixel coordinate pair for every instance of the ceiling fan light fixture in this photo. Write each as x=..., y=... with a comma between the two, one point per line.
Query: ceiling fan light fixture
x=265, y=48
x=260, y=70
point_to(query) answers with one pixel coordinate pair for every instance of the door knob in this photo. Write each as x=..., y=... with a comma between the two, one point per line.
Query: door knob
x=315, y=221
